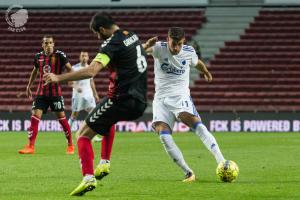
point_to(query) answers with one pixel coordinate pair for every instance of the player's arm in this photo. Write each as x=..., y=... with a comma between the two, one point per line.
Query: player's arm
x=97, y=65
x=93, y=86
x=30, y=82
x=68, y=67
x=200, y=66
x=149, y=44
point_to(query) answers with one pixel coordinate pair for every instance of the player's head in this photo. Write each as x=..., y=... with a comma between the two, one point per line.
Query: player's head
x=48, y=44
x=84, y=57
x=176, y=38
x=102, y=24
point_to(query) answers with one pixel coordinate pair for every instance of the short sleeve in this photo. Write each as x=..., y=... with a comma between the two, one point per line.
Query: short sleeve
x=156, y=49
x=63, y=58
x=195, y=58
x=110, y=49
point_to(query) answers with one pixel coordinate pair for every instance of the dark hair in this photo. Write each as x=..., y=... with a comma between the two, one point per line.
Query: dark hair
x=47, y=36
x=176, y=33
x=101, y=20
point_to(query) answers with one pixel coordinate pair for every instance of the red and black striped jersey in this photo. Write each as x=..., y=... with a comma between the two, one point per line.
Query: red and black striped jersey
x=54, y=63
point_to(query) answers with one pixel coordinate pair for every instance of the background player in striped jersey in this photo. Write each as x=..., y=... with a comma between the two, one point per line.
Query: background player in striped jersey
x=172, y=100
x=46, y=61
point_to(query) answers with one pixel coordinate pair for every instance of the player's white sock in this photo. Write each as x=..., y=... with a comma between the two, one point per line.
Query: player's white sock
x=71, y=121
x=209, y=141
x=103, y=161
x=173, y=151
x=87, y=177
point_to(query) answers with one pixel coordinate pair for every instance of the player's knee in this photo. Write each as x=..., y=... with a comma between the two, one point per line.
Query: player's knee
x=161, y=126
x=74, y=115
x=37, y=112
x=85, y=131
x=60, y=114
x=188, y=119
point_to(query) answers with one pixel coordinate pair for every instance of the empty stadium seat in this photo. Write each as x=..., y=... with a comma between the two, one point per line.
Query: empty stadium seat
x=72, y=34
x=259, y=72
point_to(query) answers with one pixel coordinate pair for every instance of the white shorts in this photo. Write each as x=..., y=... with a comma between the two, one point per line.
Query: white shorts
x=81, y=103
x=167, y=109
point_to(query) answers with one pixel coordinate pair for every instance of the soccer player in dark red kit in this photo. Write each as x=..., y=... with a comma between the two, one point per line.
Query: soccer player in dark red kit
x=47, y=61
x=123, y=54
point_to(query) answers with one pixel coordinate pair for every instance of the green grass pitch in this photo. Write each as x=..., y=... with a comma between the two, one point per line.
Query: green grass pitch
x=269, y=168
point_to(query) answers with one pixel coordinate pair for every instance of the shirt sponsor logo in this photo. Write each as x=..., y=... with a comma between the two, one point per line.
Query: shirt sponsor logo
x=169, y=69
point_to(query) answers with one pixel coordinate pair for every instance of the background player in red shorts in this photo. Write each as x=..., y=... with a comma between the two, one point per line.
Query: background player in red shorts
x=46, y=61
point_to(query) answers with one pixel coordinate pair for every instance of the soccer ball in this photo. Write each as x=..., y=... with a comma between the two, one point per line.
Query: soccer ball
x=227, y=171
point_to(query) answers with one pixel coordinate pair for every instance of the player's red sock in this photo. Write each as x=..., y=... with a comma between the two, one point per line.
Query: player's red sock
x=67, y=130
x=86, y=155
x=106, y=144
x=33, y=129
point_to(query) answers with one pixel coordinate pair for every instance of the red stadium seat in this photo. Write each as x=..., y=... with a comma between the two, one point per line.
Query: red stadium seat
x=17, y=49
x=259, y=72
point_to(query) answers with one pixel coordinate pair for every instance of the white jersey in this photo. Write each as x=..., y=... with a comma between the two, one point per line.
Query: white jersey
x=84, y=85
x=172, y=72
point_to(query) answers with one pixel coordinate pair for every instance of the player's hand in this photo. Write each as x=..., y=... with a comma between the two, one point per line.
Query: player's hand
x=50, y=78
x=28, y=92
x=97, y=98
x=71, y=83
x=208, y=76
x=79, y=90
x=151, y=42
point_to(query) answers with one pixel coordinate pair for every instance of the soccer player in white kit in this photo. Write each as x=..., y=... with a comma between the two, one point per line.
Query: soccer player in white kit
x=84, y=95
x=172, y=100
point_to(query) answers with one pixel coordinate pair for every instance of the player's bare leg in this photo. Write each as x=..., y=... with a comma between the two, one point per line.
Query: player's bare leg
x=206, y=137
x=86, y=156
x=36, y=115
x=67, y=131
x=165, y=135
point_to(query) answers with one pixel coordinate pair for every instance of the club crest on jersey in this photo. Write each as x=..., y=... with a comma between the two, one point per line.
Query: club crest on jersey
x=47, y=69
x=169, y=69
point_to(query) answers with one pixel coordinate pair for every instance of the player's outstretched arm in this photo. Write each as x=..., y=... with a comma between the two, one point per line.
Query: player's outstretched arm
x=30, y=82
x=202, y=68
x=87, y=72
x=150, y=43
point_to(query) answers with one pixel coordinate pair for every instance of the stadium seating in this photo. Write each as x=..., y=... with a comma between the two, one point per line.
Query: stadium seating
x=260, y=72
x=72, y=34
x=257, y=73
